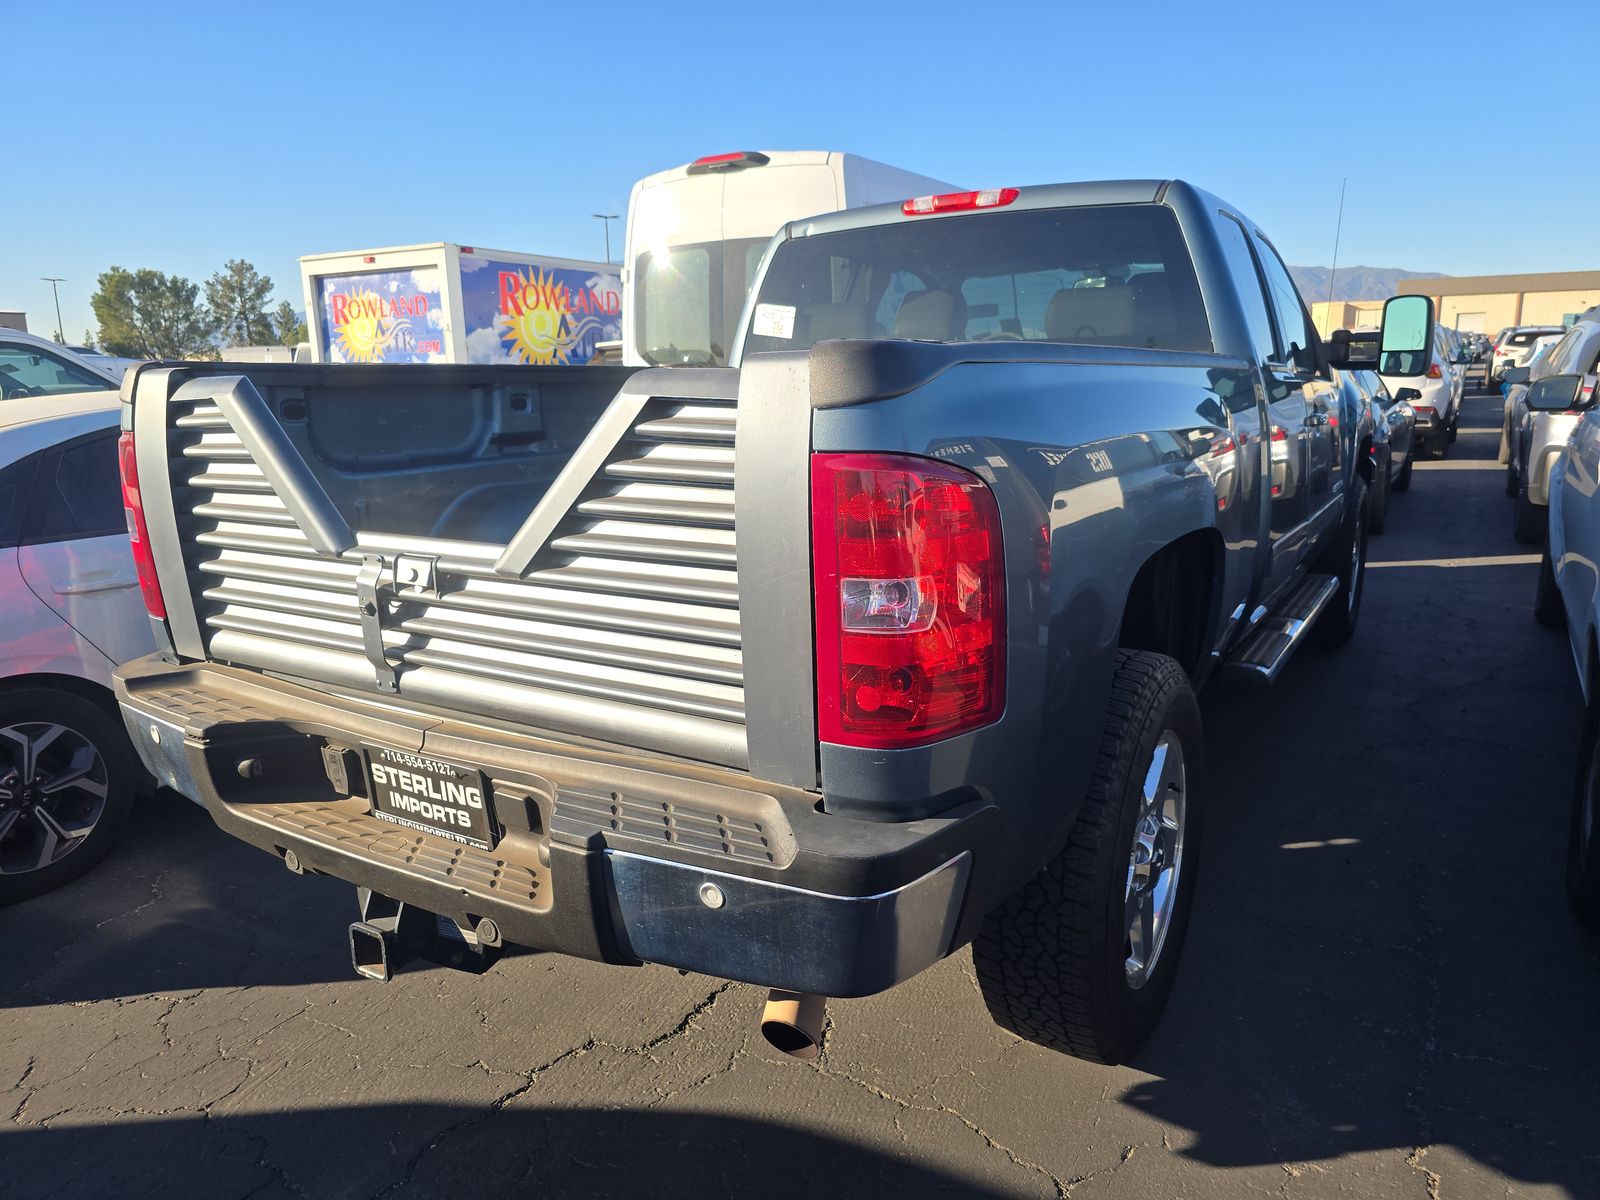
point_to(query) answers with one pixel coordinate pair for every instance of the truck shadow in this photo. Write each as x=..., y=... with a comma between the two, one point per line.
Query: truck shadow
x=176, y=906
x=545, y=1152
x=1382, y=956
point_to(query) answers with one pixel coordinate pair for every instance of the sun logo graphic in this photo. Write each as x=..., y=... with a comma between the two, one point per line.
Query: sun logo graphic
x=363, y=326
x=540, y=321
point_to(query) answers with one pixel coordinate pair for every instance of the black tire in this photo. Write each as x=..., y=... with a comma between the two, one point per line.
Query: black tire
x=1583, y=829
x=1053, y=961
x=1547, y=607
x=1378, y=506
x=1346, y=560
x=1454, y=425
x=1439, y=445
x=1511, y=481
x=1531, y=522
x=1402, y=481
x=26, y=710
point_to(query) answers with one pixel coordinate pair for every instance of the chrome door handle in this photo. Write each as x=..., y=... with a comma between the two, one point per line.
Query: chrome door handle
x=110, y=584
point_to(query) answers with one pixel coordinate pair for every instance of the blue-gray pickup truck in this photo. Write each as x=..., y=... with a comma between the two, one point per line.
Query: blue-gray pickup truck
x=806, y=671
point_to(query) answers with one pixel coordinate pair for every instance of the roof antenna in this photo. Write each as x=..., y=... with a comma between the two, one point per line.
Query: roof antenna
x=1333, y=271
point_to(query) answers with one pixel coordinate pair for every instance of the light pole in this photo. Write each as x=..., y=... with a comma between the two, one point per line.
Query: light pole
x=607, y=218
x=52, y=280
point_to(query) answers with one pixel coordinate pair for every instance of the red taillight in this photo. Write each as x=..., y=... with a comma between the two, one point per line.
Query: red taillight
x=1425, y=410
x=1279, y=434
x=910, y=600
x=922, y=206
x=1434, y=372
x=728, y=162
x=139, y=537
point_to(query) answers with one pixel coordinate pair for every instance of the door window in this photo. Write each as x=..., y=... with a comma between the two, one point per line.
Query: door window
x=31, y=371
x=1247, y=280
x=77, y=493
x=1296, y=340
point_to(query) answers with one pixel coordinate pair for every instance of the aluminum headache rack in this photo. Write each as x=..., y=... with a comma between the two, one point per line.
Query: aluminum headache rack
x=612, y=612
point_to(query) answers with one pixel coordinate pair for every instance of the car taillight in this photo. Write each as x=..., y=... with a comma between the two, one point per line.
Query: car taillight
x=1279, y=434
x=1424, y=410
x=139, y=537
x=1434, y=372
x=922, y=206
x=910, y=600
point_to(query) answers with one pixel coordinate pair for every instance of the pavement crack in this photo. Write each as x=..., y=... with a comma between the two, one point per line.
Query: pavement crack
x=1414, y=1161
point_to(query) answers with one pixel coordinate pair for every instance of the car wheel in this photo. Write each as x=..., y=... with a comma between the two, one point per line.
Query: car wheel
x=1346, y=561
x=1531, y=521
x=1083, y=958
x=1511, y=480
x=1583, y=830
x=67, y=780
x=1402, y=481
x=1378, y=505
x=1547, y=607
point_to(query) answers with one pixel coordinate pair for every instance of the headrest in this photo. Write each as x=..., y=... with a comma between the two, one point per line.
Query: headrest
x=932, y=317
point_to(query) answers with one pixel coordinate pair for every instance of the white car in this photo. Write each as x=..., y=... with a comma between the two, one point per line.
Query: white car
x=71, y=609
x=1532, y=440
x=1513, y=348
x=34, y=366
x=1438, y=404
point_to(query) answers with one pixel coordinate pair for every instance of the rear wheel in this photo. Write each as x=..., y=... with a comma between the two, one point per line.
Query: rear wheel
x=1583, y=844
x=1439, y=445
x=1530, y=522
x=1511, y=480
x=1083, y=958
x=67, y=777
x=1402, y=481
x=1378, y=506
x=1547, y=606
x=1346, y=560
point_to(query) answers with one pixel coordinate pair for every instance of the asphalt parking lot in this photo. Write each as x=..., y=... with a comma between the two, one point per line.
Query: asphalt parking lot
x=1383, y=993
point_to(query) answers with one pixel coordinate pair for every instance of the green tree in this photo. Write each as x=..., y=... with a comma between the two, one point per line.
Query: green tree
x=237, y=296
x=88, y=339
x=290, y=329
x=149, y=314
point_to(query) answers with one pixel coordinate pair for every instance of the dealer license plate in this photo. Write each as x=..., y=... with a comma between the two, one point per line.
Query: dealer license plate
x=435, y=797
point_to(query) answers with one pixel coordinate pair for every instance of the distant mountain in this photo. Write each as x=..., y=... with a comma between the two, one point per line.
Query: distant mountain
x=1354, y=283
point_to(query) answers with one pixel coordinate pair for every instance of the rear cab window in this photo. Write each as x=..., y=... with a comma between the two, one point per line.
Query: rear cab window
x=1095, y=275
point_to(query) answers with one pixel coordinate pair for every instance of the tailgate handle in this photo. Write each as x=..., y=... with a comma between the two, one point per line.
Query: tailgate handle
x=371, y=612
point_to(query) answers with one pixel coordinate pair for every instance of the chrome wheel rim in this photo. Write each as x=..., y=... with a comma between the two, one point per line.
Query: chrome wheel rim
x=1155, y=861
x=53, y=787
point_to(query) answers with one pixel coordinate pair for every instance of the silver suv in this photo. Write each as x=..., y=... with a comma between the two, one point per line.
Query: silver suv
x=1512, y=347
x=1534, y=439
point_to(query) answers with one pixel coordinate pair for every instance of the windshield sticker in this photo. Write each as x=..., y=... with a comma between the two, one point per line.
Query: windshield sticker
x=773, y=320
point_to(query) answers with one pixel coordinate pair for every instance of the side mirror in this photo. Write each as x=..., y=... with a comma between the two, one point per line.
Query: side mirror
x=1407, y=396
x=1554, y=393
x=1515, y=375
x=1407, y=336
x=1353, y=351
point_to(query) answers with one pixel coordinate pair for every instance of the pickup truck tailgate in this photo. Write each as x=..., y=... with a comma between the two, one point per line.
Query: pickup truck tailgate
x=607, y=607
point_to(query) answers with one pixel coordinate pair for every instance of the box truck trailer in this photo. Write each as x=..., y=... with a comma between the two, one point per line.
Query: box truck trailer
x=696, y=235
x=447, y=303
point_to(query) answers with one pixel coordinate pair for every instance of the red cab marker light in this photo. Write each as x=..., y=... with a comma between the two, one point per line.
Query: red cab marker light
x=922, y=206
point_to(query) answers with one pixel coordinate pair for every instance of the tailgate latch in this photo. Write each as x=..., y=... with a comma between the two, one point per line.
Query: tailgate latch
x=371, y=612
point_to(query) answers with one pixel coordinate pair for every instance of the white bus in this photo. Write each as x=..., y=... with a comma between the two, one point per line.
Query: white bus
x=696, y=234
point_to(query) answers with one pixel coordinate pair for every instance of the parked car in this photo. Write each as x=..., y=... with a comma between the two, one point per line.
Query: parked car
x=489, y=643
x=34, y=366
x=1437, y=406
x=1533, y=439
x=1513, y=346
x=1393, y=442
x=1568, y=593
x=69, y=605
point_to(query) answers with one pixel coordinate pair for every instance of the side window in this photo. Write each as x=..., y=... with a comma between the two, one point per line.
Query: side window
x=16, y=484
x=1242, y=265
x=1296, y=344
x=29, y=371
x=77, y=493
x=1562, y=357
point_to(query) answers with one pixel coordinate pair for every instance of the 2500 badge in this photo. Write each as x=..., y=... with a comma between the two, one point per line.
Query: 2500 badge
x=426, y=794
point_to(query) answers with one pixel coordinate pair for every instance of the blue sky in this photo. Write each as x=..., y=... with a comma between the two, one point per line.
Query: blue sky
x=177, y=136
